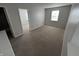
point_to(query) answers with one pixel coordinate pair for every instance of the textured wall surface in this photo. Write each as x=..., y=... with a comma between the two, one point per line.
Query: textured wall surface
x=62, y=19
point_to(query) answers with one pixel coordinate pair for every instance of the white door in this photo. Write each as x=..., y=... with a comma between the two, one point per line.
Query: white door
x=23, y=13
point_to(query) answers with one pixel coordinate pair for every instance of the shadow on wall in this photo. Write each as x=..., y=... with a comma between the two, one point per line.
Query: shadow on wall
x=62, y=18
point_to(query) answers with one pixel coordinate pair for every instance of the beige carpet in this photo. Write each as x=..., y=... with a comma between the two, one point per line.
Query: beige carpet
x=44, y=41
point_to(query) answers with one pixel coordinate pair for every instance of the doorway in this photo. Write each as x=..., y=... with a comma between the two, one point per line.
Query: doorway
x=23, y=13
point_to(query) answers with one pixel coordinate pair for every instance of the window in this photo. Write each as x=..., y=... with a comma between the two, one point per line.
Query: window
x=54, y=15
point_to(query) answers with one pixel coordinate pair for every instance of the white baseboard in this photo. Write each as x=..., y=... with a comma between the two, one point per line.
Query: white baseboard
x=35, y=28
x=15, y=36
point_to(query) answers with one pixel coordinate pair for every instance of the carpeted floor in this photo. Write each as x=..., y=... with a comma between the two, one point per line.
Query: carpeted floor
x=44, y=41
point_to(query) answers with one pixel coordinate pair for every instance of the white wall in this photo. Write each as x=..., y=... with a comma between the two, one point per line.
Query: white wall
x=71, y=27
x=5, y=46
x=36, y=18
x=73, y=45
x=36, y=15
